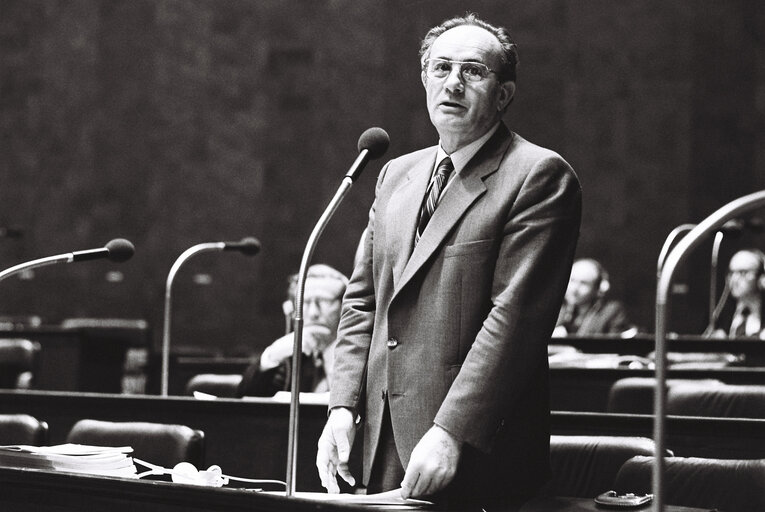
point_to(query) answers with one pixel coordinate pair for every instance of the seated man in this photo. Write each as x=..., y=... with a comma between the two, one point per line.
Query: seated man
x=271, y=371
x=746, y=283
x=586, y=310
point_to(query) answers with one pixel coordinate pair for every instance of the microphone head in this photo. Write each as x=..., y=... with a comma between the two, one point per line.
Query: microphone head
x=375, y=140
x=120, y=249
x=249, y=246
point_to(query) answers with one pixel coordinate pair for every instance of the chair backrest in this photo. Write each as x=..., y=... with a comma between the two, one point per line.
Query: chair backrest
x=725, y=401
x=218, y=384
x=727, y=485
x=17, y=357
x=158, y=443
x=634, y=395
x=22, y=429
x=585, y=466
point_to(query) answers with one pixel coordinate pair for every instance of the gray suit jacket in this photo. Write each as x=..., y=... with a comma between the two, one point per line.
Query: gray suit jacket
x=455, y=330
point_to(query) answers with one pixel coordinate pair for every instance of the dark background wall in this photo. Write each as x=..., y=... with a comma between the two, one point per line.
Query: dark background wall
x=177, y=122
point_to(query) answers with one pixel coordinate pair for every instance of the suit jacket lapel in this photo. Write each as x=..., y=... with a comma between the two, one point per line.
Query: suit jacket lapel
x=404, y=206
x=466, y=187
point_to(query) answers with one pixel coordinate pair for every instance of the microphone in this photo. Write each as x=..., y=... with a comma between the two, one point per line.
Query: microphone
x=117, y=250
x=373, y=143
x=248, y=246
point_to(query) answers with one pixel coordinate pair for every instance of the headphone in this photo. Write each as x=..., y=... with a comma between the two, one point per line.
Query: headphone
x=187, y=473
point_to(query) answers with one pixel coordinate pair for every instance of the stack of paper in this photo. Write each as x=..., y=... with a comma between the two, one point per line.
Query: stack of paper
x=73, y=458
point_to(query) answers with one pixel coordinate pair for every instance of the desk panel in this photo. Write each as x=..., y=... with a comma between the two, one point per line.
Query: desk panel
x=45, y=491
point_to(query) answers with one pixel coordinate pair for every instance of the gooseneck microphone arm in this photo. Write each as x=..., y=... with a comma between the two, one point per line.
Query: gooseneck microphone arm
x=664, y=281
x=372, y=144
x=248, y=246
x=118, y=250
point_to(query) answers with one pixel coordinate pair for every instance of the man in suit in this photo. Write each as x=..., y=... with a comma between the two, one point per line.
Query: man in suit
x=586, y=308
x=442, y=344
x=270, y=371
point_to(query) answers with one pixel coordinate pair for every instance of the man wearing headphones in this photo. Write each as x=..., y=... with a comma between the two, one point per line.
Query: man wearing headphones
x=746, y=282
x=586, y=310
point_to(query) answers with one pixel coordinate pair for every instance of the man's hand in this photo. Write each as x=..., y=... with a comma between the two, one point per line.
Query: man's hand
x=315, y=338
x=335, y=449
x=432, y=464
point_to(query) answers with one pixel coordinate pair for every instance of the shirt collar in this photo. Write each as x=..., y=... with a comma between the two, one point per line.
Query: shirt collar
x=462, y=156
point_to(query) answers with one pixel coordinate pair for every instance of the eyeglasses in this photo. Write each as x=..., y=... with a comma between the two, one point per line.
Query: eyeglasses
x=469, y=71
x=323, y=303
x=746, y=274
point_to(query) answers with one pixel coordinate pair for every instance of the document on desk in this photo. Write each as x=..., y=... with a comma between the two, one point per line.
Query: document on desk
x=389, y=499
x=74, y=458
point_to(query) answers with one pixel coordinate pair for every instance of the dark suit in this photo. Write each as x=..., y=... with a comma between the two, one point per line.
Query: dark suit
x=256, y=382
x=455, y=330
x=601, y=317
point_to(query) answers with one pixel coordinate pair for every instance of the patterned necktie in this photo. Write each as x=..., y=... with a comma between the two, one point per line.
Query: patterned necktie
x=435, y=188
x=739, y=331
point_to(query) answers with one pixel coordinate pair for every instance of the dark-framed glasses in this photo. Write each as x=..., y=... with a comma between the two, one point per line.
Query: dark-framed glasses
x=469, y=71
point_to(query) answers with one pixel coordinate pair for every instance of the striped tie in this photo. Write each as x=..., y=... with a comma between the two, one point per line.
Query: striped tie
x=435, y=188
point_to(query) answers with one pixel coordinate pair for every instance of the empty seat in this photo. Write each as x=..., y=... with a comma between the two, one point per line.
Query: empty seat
x=158, y=443
x=727, y=485
x=585, y=466
x=634, y=395
x=217, y=384
x=726, y=401
x=18, y=360
x=22, y=429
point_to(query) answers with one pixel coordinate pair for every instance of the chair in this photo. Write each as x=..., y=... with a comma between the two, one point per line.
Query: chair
x=585, y=466
x=727, y=485
x=217, y=384
x=634, y=395
x=725, y=401
x=22, y=429
x=158, y=443
x=18, y=361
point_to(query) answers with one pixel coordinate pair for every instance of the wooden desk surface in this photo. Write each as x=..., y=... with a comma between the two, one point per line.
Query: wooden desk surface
x=44, y=491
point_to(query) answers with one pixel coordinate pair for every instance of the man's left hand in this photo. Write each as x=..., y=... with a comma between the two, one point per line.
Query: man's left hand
x=432, y=465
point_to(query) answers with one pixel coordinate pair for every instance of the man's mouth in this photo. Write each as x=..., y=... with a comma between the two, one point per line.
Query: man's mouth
x=452, y=104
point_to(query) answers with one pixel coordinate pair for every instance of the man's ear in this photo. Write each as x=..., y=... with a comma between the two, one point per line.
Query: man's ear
x=424, y=78
x=506, y=93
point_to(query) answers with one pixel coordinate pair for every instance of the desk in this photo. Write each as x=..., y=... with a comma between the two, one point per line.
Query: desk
x=80, y=358
x=586, y=389
x=248, y=438
x=44, y=491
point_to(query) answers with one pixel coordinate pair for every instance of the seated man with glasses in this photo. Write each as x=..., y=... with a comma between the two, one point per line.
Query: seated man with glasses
x=270, y=371
x=745, y=316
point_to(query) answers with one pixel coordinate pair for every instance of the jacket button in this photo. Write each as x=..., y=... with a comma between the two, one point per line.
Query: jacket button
x=384, y=394
x=392, y=343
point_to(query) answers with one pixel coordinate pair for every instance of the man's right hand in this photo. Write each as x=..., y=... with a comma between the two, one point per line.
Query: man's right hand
x=335, y=449
x=315, y=338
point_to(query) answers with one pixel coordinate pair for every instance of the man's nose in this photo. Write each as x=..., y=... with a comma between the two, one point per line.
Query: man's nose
x=312, y=309
x=453, y=81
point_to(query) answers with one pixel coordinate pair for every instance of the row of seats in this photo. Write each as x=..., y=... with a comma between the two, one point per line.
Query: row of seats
x=159, y=443
x=702, y=397
x=585, y=466
x=582, y=466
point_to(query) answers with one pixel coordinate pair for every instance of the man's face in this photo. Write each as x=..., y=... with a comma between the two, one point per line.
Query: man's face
x=462, y=111
x=744, y=271
x=583, y=284
x=322, y=299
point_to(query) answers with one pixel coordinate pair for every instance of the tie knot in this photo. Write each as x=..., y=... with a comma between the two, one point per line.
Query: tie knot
x=445, y=167
x=745, y=311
